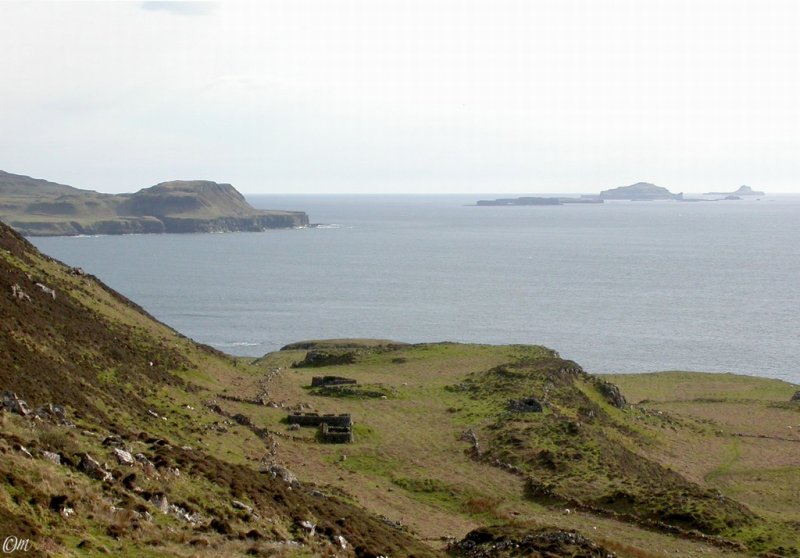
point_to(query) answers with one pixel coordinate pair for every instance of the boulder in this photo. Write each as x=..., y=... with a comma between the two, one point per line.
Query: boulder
x=123, y=457
x=276, y=471
x=23, y=450
x=160, y=502
x=52, y=457
x=796, y=397
x=307, y=526
x=113, y=440
x=12, y=402
x=524, y=405
x=18, y=293
x=93, y=469
x=611, y=394
x=241, y=506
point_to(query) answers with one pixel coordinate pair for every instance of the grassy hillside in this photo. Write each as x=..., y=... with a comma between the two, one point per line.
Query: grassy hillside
x=169, y=448
x=146, y=465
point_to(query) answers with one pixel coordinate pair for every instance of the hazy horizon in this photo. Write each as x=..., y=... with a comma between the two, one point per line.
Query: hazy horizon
x=357, y=96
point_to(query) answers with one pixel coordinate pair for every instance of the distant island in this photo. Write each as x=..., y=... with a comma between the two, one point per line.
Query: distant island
x=641, y=191
x=537, y=201
x=36, y=207
x=742, y=191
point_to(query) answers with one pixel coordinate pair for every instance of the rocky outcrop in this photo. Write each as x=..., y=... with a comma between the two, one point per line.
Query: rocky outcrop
x=611, y=393
x=520, y=540
x=524, y=405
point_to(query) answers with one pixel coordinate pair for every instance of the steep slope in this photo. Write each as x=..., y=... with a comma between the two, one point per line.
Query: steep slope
x=111, y=440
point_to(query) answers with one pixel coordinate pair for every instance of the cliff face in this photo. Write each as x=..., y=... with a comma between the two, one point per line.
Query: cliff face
x=40, y=208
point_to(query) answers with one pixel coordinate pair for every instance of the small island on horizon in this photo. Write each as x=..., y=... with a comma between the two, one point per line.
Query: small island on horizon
x=36, y=207
x=641, y=191
x=741, y=191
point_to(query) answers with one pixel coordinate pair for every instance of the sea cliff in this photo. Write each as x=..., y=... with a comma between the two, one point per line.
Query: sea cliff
x=40, y=208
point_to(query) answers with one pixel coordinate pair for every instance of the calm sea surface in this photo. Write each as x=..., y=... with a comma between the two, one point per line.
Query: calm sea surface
x=618, y=287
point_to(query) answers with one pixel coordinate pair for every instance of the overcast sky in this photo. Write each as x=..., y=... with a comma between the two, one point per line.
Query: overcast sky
x=403, y=96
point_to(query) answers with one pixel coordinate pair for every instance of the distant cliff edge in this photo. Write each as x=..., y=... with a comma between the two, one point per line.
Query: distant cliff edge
x=40, y=208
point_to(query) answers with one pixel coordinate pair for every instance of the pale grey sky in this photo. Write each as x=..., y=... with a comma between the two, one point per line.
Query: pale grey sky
x=403, y=96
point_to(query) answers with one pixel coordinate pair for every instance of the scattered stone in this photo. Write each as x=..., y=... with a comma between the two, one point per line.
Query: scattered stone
x=242, y=506
x=47, y=290
x=142, y=459
x=183, y=514
x=796, y=396
x=294, y=427
x=52, y=457
x=113, y=440
x=19, y=294
x=276, y=471
x=20, y=448
x=58, y=503
x=77, y=271
x=243, y=420
x=12, y=402
x=524, y=405
x=53, y=413
x=93, y=469
x=123, y=457
x=153, y=414
x=489, y=542
x=307, y=526
x=317, y=494
x=341, y=541
x=160, y=502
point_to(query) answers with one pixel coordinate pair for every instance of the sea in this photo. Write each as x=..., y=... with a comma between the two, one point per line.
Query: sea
x=618, y=287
